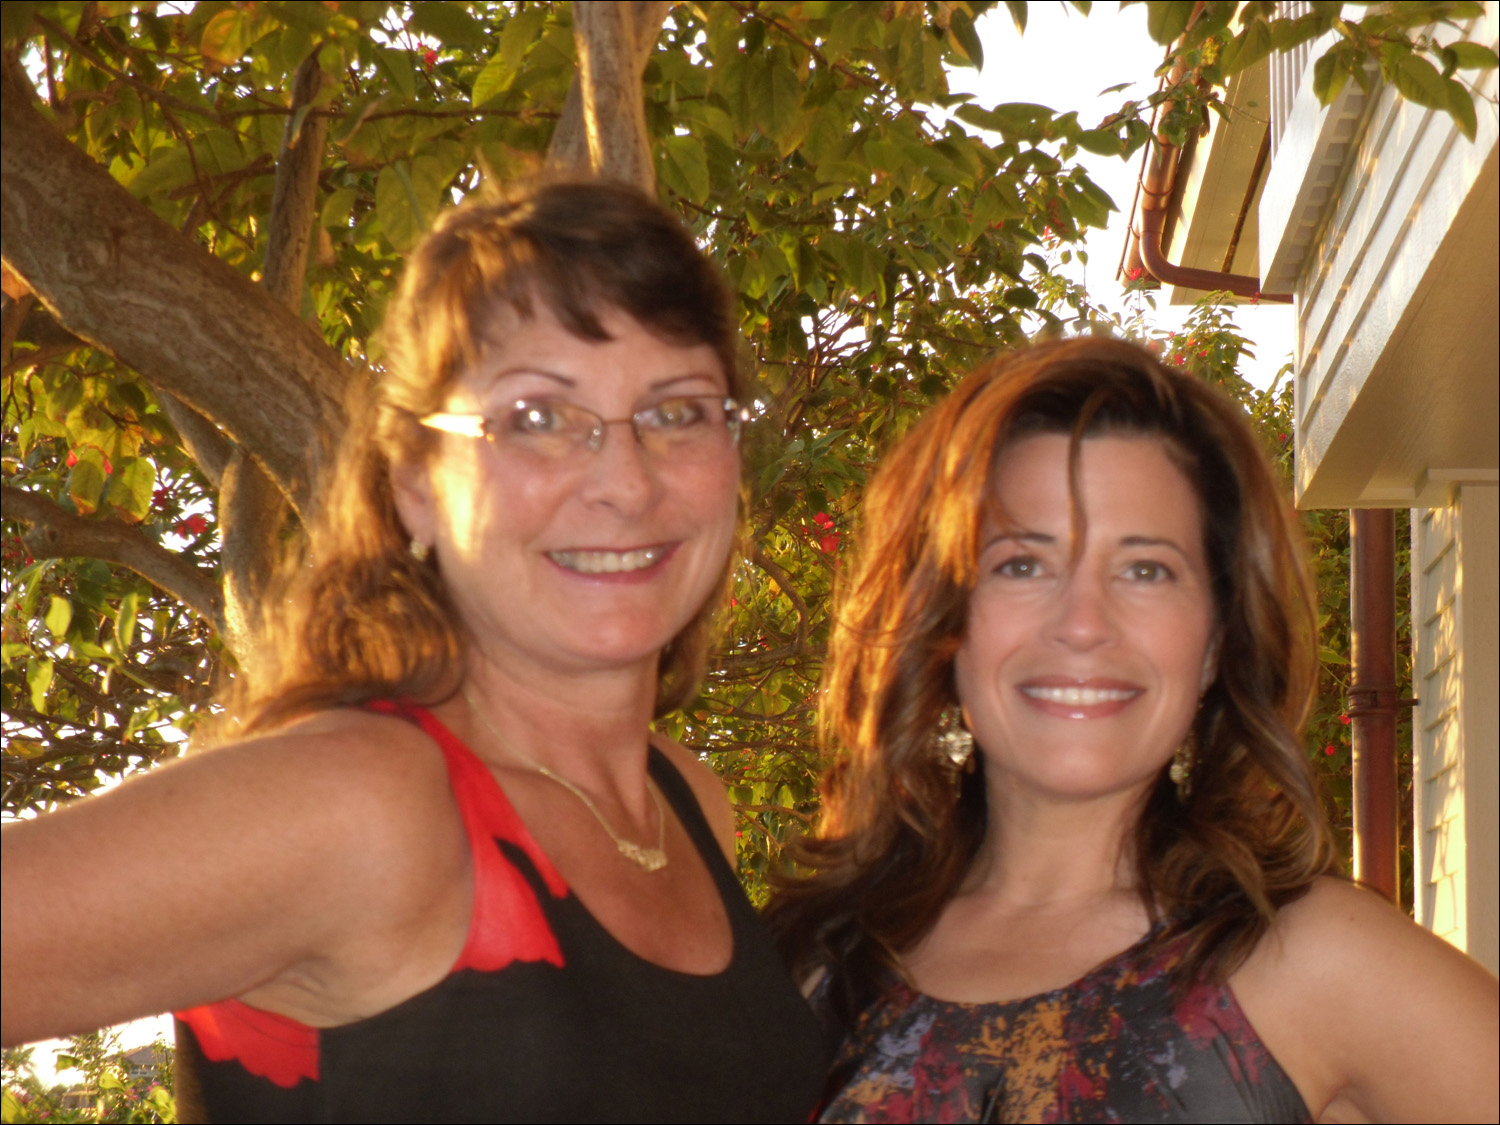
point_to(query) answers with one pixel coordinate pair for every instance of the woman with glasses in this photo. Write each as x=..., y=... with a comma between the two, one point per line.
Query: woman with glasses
x=445, y=870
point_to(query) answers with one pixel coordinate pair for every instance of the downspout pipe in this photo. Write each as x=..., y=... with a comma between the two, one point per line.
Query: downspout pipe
x=1374, y=703
x=1156, y=192
x=1158, y=179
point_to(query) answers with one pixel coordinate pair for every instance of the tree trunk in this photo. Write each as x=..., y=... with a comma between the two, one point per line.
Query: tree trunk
x=602, y=131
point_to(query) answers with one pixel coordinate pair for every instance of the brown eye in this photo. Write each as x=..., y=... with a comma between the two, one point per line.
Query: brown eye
x=534, y=418
x=1148, y=570
x=1020, y=566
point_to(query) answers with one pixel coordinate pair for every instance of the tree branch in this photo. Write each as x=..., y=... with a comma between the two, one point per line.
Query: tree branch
x=121, y=279
x=619, y=39
x=200, y=437
x=294, y=201
x=759, y=557
x=58, y=534
x=251, y=509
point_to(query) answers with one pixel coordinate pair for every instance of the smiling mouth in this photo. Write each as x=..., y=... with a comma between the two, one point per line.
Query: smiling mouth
x=608, y=562
x=1074, y=696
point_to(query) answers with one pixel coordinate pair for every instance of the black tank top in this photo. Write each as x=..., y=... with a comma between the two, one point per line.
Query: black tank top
x=545, y=1016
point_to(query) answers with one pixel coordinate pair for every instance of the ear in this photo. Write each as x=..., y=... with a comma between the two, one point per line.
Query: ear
x=412, y=493
x=1210, y=664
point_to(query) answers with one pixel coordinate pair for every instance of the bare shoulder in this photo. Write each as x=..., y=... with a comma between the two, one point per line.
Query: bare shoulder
x=1373, y=1016
x=1343, y=935
x=707, y=786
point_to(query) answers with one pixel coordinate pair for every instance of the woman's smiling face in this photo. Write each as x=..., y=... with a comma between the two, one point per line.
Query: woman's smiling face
x=596, y=559
x=1082, y=665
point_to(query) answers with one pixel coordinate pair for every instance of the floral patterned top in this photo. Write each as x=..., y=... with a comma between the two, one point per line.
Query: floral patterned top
x=1112, y=1046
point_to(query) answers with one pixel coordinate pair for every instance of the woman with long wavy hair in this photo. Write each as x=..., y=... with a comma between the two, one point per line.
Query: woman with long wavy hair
x=1073, y=864
x=443, y=870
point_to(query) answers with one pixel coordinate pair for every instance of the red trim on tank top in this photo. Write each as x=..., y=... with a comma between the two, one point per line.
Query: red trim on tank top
x=270, y=1046
x=507, y=923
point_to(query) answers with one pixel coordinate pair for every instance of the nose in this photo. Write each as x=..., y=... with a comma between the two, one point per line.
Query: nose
x=619, y=473
x=1084, y=616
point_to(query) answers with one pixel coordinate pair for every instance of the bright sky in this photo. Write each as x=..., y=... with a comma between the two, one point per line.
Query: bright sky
x=1063, y=61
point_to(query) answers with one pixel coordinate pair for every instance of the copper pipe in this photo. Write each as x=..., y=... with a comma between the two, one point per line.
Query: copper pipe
x=1373, y=700
x=1158, y=179
x=1156, y=190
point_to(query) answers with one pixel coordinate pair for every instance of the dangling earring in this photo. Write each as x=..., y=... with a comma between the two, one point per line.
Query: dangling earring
x=419, y=550
x=1181, y=769
x=954, y=742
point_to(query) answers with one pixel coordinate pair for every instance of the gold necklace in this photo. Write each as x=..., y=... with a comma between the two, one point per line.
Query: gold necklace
x=652, y=859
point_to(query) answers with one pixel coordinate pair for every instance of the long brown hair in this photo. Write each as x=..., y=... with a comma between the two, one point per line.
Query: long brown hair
x=353, y=616
x=898, y=833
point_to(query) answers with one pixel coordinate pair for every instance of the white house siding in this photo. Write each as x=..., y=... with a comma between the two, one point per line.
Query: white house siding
x=1456, y=732
x=1399, y=263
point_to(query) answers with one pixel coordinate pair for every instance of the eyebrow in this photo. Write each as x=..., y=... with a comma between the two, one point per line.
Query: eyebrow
x=1047, y=540
x=1018, y=537
x=1151, y=541
x=570, y=383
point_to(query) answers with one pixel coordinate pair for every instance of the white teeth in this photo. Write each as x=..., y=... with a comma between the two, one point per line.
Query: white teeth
x=1078, y=696
x=607, y=562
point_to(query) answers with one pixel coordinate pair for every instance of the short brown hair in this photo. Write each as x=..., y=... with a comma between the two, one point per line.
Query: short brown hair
x=894, y=842
x=354, y=616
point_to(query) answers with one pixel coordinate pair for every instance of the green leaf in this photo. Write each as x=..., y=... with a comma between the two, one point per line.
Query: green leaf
x=1461, y=105
x=1251, y=45
x=492, y=81
x=1473, y=56
x=521, y=32
x=337, y=208
x=1101, y=142
x=1167, y=19
x=965, y=39
x=1017, y=9
x=230, y=33
x=130, y=606
x=1329, y=76
x=1419, y=81
x=131, y=486
x=406, y=197
x=86, y=482
x=450, y=24
x=39, y=679
x=59, y=617
x=684, y=168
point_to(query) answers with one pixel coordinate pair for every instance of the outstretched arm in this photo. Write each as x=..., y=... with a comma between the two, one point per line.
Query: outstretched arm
x=273, y=870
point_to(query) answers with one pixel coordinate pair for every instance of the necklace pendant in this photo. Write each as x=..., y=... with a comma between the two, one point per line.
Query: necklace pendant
x=652, y=859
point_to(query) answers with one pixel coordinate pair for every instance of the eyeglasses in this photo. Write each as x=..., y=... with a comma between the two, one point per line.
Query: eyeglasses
x=683, y=427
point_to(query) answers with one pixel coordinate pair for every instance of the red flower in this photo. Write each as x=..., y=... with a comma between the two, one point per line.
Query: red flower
x=1135, y=274
x=429, y=57
x=1329, y=749
x=1344, y=719
x=823, y=520
x=108, y=468
x=160, y=497
x=194, y=524
x=72, y=458
x=829, y=543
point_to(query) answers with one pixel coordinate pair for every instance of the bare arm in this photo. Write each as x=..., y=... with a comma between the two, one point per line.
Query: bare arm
x=271, y=870
x=1373, y=1017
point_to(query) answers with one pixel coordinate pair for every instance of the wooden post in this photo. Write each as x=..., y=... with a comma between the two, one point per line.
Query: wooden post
x=1373, y=702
